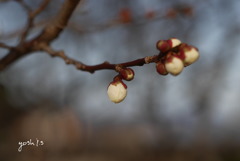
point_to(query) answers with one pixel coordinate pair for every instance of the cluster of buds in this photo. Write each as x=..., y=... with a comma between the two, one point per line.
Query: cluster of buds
x=175, y=56
x=117, y=89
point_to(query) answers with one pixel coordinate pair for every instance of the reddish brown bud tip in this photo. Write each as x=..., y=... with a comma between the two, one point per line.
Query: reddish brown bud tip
x=160, y=67
x=163, y=45
x=117, y=78
x=127, y=74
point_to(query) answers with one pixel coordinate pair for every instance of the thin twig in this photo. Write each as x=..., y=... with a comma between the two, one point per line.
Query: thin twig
x=2, y=45
x=36, y=26
x=49, y=33
x=113, y=23
x=24, y=5
x=103, y=66
x=53, y=30
x=42, y=6
x=31, y=17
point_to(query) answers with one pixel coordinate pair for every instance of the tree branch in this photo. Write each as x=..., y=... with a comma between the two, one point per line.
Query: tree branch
x=102, y=66
x=2, y=45
x=24, y=5
x=14, y=54
x=31, y=17
x=49, y=33
x=53, y=30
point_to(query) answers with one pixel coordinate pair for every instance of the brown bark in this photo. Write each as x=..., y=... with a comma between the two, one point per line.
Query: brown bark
x=49, y=33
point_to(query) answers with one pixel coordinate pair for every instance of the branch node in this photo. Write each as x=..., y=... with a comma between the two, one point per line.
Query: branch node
x=80, y=66
x=147, y=59
x=150, y=59
x=67, y=61
x=118, y=67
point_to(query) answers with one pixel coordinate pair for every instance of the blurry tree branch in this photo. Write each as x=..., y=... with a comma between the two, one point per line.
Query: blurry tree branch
x=35, y=26
x=118, y=21
x=2, y=45
x=42, y=41
x=52, y=31
x=49, y=33
x=24, y=5
x=31, y=17
x=125, y=17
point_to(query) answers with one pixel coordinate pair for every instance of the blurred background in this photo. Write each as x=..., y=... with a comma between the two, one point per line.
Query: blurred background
x=194, y=116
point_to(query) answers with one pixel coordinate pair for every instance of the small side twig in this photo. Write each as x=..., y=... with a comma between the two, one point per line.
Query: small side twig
x=2, y=45
x=49, y=33
x=24, y=5
x=31, y=17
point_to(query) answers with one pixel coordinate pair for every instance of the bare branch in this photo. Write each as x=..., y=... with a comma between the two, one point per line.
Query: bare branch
x=14, y=54
x=24, y=5
x=20, y=31
x=48, y=34
x=102, y=66
x=2, y=45
x=113, y=23
x=42, y=6
x=31, y=17
x=53, y=30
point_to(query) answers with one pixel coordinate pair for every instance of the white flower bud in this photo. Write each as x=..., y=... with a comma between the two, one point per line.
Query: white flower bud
x=175, y=42
x=174, y=65
x=191, y=55
x=117, y=91
x=165, y=45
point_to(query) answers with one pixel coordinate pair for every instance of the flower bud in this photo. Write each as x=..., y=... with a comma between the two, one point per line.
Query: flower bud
x=174, y=42
x=190, y=53
x=127, y=74
x=160, y=67
x=174, y=65
x=163, y=45
x=117, y=91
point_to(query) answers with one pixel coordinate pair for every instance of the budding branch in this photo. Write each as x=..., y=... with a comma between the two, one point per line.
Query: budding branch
x=105, y=65
x=42, y=41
